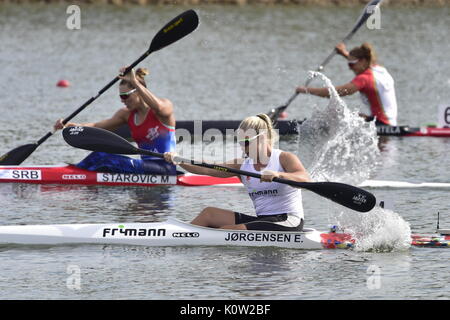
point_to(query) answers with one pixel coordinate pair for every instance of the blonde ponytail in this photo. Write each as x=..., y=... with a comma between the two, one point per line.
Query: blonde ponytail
x=140, y=74
x=260, y=123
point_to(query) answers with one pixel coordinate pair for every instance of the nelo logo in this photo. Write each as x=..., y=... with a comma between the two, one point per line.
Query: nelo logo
x=185, y=234
x=74, y=177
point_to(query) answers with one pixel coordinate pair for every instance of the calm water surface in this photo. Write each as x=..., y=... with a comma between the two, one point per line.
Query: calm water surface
x=241, y=61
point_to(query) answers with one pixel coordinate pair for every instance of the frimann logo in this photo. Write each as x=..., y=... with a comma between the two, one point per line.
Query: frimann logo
x=263, y=193
x=133, y=232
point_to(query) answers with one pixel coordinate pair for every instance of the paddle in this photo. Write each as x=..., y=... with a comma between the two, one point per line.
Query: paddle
x=96, y=139
x=367, y=12
x=174, y=30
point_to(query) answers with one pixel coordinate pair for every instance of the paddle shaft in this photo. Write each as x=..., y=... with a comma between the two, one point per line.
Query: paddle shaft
x=92, y=99
x=96, y=139
x=346, y=195
x=275, y=113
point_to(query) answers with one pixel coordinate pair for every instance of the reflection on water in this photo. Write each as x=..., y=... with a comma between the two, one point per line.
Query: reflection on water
x=241, y=61
x=10, y=191
x=389, y=152
x=116, y=203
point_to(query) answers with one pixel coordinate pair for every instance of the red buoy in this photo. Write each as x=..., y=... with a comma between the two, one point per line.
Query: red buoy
x=63, y=83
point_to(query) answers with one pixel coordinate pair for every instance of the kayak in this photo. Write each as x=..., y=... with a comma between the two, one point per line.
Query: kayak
x=290, y=127
x=439, y=240
x=403, y=184
x=407, y=131
x=174, y=232
x=70, y=174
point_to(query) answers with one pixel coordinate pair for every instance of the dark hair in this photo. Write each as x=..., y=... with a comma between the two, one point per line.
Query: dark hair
x=365, y=51
x=140, y=74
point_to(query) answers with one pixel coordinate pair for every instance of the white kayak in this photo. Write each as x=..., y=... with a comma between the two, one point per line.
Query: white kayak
x=171, y=232
x=402, y=184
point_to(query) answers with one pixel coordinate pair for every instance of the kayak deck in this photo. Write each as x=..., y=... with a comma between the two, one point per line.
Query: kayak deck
x=69, y=174
x=433, y=241
x=173, y=232
x=168, y=233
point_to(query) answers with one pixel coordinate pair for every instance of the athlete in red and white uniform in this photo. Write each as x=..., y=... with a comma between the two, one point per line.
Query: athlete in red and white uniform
x=152, y=125
x=373, y=81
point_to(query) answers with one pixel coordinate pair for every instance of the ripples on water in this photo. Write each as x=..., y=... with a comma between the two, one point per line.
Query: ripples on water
x=241, y=61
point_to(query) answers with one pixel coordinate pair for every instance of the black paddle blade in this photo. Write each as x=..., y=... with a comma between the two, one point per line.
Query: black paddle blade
x=96, y=139
x=17, y=155
x=174, y=30
x=344, y=194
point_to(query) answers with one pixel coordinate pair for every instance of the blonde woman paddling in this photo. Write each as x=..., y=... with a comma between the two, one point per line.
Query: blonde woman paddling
x=278, y=206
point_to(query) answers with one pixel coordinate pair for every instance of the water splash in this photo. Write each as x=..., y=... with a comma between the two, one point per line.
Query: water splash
x=381, y=230
x=337, y=144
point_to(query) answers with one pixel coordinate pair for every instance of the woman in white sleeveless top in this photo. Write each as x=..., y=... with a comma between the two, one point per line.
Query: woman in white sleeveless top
x=278, y=206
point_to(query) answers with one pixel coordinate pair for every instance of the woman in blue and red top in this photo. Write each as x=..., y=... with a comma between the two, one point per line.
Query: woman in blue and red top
x=152, y=124
x=373, y=82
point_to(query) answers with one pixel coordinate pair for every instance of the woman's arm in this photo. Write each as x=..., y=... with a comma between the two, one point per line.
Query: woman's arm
x=344, y=90
x=162, y=107
x=294, y=169
x=118, y=119
x=342, y=50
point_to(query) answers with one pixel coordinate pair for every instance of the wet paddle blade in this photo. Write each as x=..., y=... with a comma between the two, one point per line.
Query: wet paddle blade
x=96, y=139
x=174, y=30
x=17, y=155
x=346, y=195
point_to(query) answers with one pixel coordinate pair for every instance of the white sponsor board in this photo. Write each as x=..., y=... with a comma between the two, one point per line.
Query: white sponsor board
x=135, y=178
x=18, y=174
